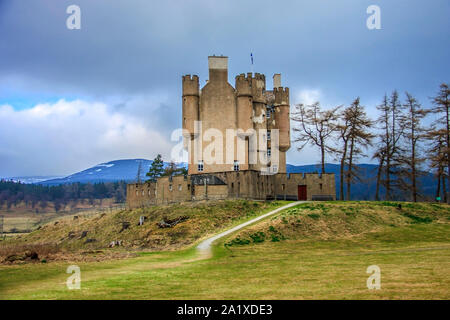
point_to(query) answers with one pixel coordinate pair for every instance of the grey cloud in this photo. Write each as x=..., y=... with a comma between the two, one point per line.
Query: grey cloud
x=131, y=54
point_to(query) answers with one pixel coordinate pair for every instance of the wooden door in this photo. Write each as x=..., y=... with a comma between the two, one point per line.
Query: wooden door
x=302, y=195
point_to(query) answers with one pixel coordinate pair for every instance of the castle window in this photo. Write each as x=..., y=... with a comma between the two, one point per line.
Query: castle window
x=268, y=135
x=170, y=187
x=236, y=165
x=320, y=186
x=189, y=187
x=200, y=165
x=179, y=187
x=232, y=186
x=269, y=152
x=283, y=186
x=268, y=113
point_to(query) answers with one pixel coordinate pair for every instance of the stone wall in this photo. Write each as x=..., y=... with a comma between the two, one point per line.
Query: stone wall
x=316, y=185
x=228, y=185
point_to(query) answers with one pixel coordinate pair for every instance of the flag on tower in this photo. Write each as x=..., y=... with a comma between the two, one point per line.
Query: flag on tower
x=251, y=56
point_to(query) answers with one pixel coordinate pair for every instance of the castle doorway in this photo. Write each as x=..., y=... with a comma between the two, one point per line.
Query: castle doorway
x=302, y=195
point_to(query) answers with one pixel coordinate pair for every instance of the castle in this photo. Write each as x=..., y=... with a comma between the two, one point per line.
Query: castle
x=236, y=139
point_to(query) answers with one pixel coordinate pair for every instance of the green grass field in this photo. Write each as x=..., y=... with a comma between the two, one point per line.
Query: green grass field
x=310, y=257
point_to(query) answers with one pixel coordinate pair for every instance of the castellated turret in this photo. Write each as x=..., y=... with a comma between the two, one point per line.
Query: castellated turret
x=281, y=110
x=244, y=99
x=191, y=98
x=247, y=107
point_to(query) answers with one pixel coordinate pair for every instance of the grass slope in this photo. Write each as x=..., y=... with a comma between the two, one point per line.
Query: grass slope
x=96, y=233
x=313, y=258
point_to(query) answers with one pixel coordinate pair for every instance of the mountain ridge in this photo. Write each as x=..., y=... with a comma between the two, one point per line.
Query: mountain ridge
x=126, y=170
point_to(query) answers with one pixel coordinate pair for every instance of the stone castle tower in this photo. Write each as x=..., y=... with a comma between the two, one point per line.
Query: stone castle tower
x=247, y=107
x=236, y=138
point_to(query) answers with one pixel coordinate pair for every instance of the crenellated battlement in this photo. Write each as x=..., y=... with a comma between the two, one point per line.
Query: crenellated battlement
x=259, y=87
x=281, y=96
x=191, y=86
x=260, y=76
x=189, y=77
x=243, y=85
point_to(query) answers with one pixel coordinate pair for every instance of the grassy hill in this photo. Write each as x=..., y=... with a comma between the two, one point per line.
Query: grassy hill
x=311, y=251
x=96, y=233
x=346, y=220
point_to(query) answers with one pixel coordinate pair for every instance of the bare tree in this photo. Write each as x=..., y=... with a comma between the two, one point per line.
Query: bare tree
x=388, y=151
x=380, y=154
x=343, y=128
x=315, y=127
x=436, y=150
x=442, y=107
x=359, y=137
x=413, y=132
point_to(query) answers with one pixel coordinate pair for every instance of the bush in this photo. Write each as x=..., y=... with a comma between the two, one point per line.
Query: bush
x=417, y=219
x=41, y=250
x=275, y=238
x=237, y=242
x=258, y=237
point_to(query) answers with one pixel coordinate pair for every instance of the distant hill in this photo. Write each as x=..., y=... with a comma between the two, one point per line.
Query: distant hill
x=126, y=170
x=117, y=170
x=31, y=179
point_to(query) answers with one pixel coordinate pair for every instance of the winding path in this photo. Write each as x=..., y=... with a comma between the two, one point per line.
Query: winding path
x=205, y=245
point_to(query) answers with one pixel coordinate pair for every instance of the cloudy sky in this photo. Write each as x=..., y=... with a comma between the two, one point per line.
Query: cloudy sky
x=70, y=99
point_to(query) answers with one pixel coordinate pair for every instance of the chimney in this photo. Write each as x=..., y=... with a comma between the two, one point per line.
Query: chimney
x=218, y=68
x=277, y=80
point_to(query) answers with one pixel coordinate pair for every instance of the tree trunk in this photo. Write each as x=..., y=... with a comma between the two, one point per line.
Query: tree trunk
x=438, y=188
x=448, y=152
x=444, y=190
x=380, y=169
x=349, y=169
x=388, y=177
x=322, y=150
x=413, y=163
x=344, y=156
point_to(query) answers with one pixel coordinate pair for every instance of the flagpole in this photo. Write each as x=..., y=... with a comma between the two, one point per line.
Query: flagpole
x=251, y=66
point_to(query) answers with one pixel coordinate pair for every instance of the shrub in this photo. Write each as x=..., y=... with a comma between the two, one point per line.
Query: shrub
x=388, y=204
x=417, y=219
x=18, y=249
x=314, y=216
x=275, y=238
x=258, y=237
x=237, y=242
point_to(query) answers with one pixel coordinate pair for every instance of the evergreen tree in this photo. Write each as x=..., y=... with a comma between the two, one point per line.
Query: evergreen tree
x=156, y=169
